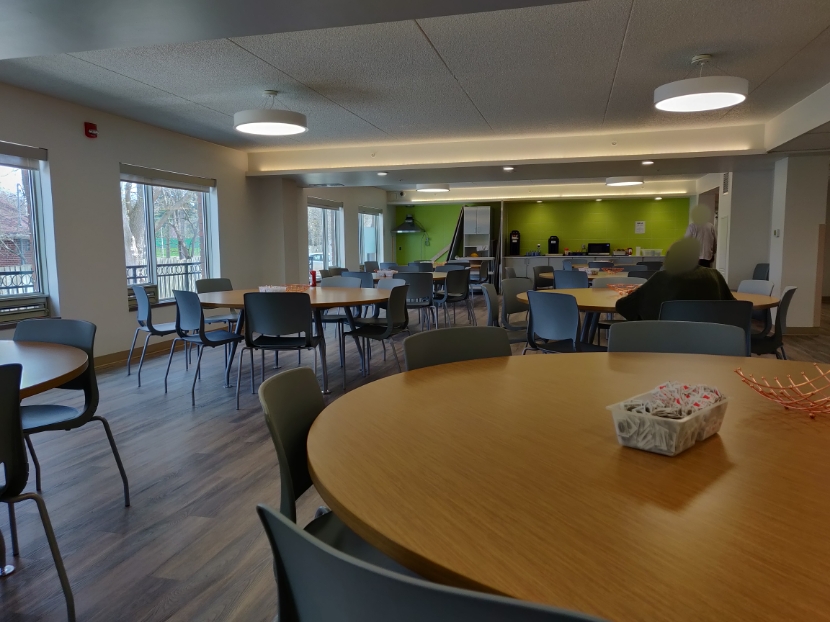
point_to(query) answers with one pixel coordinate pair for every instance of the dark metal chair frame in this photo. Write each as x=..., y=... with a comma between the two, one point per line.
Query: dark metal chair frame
x=144, y=316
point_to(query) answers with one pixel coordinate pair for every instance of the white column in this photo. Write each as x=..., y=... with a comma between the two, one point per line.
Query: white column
x=799, y=205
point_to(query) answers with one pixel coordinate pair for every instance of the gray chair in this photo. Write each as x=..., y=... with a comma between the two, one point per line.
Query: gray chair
x=677, y=337
x=53, y=417
x=570, y=279
x=383, y=329
x=366, y=279
x=370, y=266
x=388, y=265
x=422, y=266
x=144, y=315
x=407, y=269
x=15, y=467
x=339, y=319
x=603, y=283
x=636, y=268
x=774, y=343
x=761, y=272
x=269, y=317
x=554, y=318
x=567, y=264
x=456, y=289
x=491, y=299
x=763, y=288
x=600, y=264
x=449, y=267
x=324, y=274
x=730, y=312
x=317, y=582
x=509, y=273
x=450, y=345
x=540, y=282
x=420, y=297
x=510, y=304
x=335, y=271
x=190, y=329
x=205, y=286
x=292, y=401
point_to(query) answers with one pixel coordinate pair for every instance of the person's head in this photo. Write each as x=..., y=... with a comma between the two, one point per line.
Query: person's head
x=700, y=214
x=682, y=256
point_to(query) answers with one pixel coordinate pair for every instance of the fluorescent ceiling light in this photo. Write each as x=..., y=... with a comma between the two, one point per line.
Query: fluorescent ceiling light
x=658, y=198
x=383, y=174
x=538, y=201
x=599, y=199
x=701, y=93
x=270, y=121
x=432, y=187
x=624, y=181
x=647, y=162
x=508, y=168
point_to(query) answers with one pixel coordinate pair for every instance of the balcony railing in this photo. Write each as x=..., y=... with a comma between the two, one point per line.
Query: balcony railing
x=17, y=280
x=172, y=275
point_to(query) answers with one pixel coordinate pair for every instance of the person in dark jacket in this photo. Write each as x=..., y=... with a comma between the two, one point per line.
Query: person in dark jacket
x=682, y=279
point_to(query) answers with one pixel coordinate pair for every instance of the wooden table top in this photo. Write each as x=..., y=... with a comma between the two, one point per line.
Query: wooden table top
x=602, y=275
x=513, y=482
x=603, y=300
x=321, y=297
x=45, y=365
x=436, y=276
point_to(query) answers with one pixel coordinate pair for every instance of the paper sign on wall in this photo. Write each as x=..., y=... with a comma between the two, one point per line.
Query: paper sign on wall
x=639, y=226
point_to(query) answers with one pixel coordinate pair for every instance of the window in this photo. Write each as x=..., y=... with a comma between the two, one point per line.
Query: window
x=20, y=271
x=324, y=233
x=370, y=234
x=165, y=232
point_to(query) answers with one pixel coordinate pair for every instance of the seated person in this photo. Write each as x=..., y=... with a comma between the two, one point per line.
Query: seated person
x=682, y=279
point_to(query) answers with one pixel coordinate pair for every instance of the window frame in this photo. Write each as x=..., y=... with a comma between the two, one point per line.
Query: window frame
x=378, y=215
x=337, y=209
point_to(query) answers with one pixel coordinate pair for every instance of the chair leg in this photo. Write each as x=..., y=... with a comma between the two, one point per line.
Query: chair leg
x=132, y=347
x=170, y=359
x=115, y=453
x=324, y=364
x=783, y=353
x=141, y=360
x=4, y=569
x=276, y=359
x=395, y=352
x=239, y=375
x=196, y=375
x=262, y=371
x=35, y=460
x=56, y=554
x=13, y=529
x=252, y=371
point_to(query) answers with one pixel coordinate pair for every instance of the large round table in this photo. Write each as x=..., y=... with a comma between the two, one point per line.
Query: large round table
x=505, y=475
x=45, y=365
x=436, y=276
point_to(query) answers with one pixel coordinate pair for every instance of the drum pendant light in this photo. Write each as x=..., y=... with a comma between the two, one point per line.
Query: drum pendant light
x=270, y=121
x=701, y=93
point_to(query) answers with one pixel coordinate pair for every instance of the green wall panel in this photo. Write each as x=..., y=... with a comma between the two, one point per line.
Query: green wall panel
x=612, y=220
x=439, y=222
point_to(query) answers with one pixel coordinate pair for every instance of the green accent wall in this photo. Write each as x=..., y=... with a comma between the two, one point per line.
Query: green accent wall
x=439, y=222
x=611, y=220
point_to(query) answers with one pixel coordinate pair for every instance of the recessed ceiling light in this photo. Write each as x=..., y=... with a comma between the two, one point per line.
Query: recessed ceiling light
x=508, y=168
x=538, y=201
x=647, y=162
x=432, y=187
x=270, y=121
x=701, y=93
x=658, y=198
x=383, y=174
x=624, y=181
x=599, y=199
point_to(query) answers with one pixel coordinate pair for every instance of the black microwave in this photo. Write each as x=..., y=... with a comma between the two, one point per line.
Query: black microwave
x=599, y=248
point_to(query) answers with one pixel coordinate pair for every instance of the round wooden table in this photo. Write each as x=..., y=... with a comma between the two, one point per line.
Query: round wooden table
x=45, y=365
x=513, y=482
x=601, y=275
x=436, y=276
x=603, y=300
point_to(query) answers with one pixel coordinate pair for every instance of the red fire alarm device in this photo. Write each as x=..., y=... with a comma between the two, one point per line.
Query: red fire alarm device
x=90, y=130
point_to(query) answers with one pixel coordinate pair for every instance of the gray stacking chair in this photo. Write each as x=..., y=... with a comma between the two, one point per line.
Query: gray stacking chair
x=761, y=272
x=335, y=271
x=570, y=279
x=422, y=266
x=449, y=267
x=774, y=343
x=15, y=467
x=677, y=337
x=731, y=312
x=542, y=282
x=291, y=401
x=510, y=288
x=491, y=298
x=269, y=317
x=600, y=264
x=450, y=345
x=388, y=265
x=370, y=266
x=366, y=279
x=339, y=319
x=456, y=289
x=762, y=315
x=407, y=269
x=567, y=264
x=420, y=297
x=636, y=268
x=603, y=283
x=509, y=273
x=144, y=315
x=205, y=286
x=52, y=417
x=554, y=319
x=318, y=582
x=382, y=329
x=190, y=329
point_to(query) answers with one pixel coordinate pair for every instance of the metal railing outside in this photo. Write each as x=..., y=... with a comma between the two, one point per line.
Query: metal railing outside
x=170, y=276
x=17, y=280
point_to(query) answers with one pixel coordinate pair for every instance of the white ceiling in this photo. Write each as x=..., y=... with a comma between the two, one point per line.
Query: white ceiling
x=564, y=68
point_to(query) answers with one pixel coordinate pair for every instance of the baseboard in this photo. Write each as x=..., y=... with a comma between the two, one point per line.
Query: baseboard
x=803, y=330
x=119, y=359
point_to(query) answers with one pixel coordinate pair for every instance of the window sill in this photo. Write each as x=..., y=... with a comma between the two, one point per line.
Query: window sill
x=156, y=305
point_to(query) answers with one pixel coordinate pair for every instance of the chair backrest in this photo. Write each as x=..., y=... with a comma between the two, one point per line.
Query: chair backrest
x=324, y=584
x=291, y=401
x=449, y=345
x=13, y=458
x=144, y=314
x=484, y=270
x=491, y=298
x=605, y=281
x=677, y=337
x=567, y=264
x=756, y=287
x=510, y=288
x=390, y=283
x=761, y=272
x=538, y=270
x=553, y=316
x=422, y=266
x=450, y=267
x=340, y=281
x=335, y=271
x=370, y=266
x=781, y=315
x=366, y=279
x=324, y=274
x=509, y=273
x=458, y=282
x=406, y=269
x=189, y=314
x=730, y=312
x=570, y=279
x=396, y=313
x=388, y=265
x=600, y=264
x=636, y=268
x=420, y=285
x=205, y=286
x=277, y=313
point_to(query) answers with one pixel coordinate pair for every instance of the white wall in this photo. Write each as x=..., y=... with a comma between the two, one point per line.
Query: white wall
x=751, y=214
x=825, y=290
x=84, y=178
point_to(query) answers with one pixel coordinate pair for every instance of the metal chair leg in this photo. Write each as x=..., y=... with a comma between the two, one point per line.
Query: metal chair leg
x=141, y=360
x=395, y=352
x=13, y=529
x=170, y=359
x=196, y=375
x=262, y=373
x=132, y=347
x=322, y=348
x=35, y=460
x=252, y=370
x=5, y=570
x=115, y=453
x=239, y=375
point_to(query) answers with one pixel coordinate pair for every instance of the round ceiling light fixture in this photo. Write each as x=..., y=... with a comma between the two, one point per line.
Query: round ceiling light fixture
x=658, y=198
x=598, y=200
x=701, y=93
x=270, y=121
x=432, y=187
x=382, y=174
x=624, y=181
x=648, y=162
x=507, y=168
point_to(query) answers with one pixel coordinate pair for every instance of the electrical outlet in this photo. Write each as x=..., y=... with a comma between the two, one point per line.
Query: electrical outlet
x=400, y=248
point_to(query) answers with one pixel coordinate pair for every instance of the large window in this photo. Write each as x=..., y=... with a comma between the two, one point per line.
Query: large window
x=165, y=240
x=20, y=271
x=370, y=234
x=324, y=233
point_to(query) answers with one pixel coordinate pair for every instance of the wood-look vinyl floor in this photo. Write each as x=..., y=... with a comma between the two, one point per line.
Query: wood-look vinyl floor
x=191, y=546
